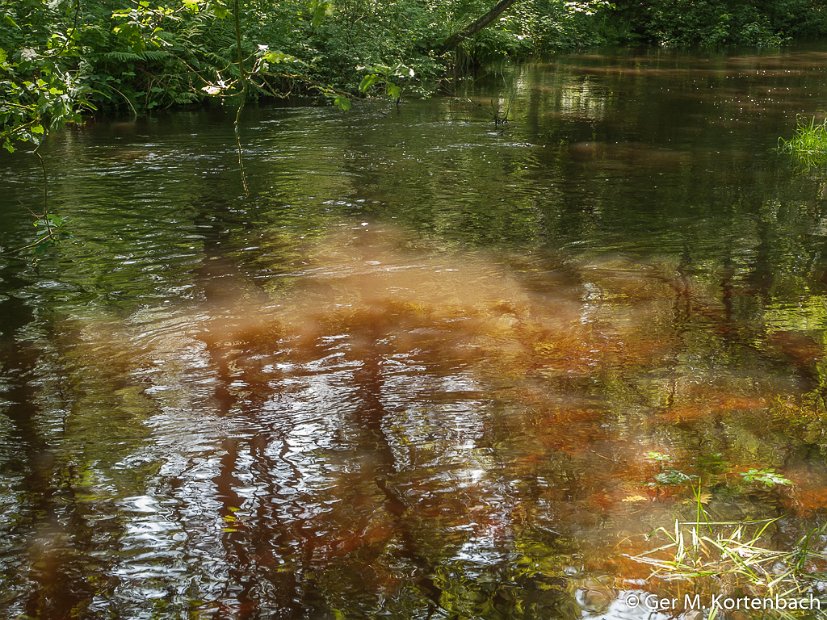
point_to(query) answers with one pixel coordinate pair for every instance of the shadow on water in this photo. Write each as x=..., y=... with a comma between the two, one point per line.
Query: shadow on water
x=45, y=522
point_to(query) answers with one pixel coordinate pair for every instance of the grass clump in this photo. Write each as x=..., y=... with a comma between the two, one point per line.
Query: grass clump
x=736, y=558
x=808, y=144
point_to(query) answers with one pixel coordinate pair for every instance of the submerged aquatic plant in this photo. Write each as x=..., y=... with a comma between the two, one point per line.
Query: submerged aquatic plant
x=767, y=477
x=808, y=146
x=727, y=557
x=672, y=477
x=658, y=457
x=733, y=549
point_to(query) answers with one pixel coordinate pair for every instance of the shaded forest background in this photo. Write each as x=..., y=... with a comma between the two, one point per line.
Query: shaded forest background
x=60, y=59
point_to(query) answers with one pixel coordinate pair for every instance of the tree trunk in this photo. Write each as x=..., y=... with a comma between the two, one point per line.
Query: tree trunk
x=475, y=26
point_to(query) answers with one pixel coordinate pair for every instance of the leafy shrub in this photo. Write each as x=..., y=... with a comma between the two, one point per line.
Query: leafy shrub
x=713, y=23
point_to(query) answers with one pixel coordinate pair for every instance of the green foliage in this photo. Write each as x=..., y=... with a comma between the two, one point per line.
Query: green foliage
x=387, y=78
x=731, y=556
x=62, y=58
x=672, y=477
x=41, y=87
x=667, y=476
x=767, y=477
x=808, y=146
x=713, y=23
x=725, y=557
x=542, y=26
x=50, y=229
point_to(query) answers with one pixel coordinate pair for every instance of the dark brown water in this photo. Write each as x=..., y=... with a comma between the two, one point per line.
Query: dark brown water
x=432, y=367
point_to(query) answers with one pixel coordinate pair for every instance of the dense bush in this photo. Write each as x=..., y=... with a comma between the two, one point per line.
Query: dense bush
x=713, y=23
x=60, y=58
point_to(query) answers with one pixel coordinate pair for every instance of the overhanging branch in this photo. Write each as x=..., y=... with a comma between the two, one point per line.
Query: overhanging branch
x=474, y=27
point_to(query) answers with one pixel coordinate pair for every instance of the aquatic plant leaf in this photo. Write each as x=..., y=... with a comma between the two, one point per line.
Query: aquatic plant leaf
x=767, y=477
x=672, y=477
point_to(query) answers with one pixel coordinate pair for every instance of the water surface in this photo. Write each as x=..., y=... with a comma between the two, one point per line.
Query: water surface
x=433, y=366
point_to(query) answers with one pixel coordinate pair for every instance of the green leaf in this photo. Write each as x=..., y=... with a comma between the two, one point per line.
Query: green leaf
x=38, y=129
x=671, y=477
x=319, y=9
x=42, y=244
x=367, y=81
x=274, y=57
x=767, y=477
x=342, y=102
x=393, y=90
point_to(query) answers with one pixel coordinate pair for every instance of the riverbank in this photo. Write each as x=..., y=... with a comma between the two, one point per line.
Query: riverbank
x=64, y=60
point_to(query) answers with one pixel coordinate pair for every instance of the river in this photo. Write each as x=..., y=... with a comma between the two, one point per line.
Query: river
x=434, y=366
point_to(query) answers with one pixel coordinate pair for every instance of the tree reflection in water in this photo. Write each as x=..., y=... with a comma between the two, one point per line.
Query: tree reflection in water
x=420, y=432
